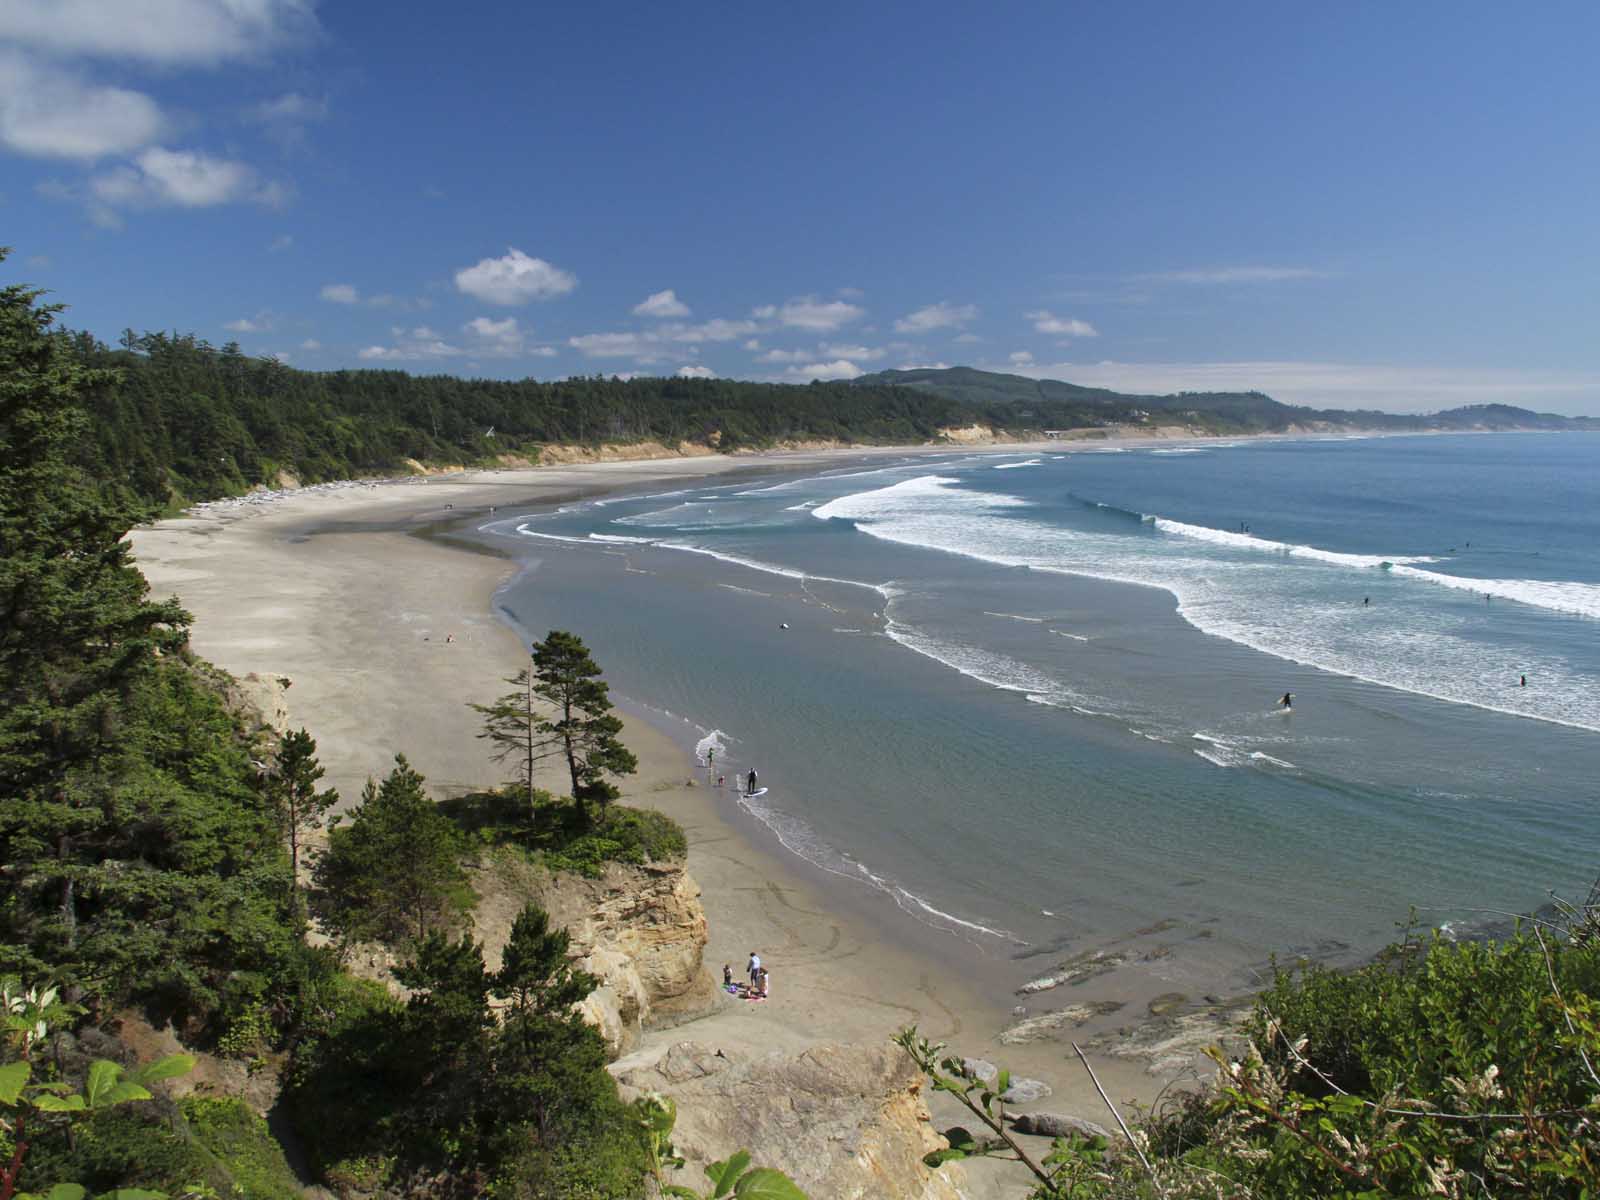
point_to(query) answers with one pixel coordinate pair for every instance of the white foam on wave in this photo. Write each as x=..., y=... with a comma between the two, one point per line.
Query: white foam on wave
x=712, y=742
x=733, y=587
x=1032, y=462
x=1228, y=585
x=621, y=539
x=1015, y=617
x=1182, y=450
x=803, y=506
x=756, y=564
x=1247, y=541
x=1563, y=596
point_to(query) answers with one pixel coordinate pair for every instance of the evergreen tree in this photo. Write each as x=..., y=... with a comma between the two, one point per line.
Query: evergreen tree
x=512, y=726
x=394, y=872
x=293, y=790
x=582, y=729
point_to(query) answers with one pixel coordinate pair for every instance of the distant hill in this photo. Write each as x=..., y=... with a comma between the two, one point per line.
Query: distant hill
x=1015, y=402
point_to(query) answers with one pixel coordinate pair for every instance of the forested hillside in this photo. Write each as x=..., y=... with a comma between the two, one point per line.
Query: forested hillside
x=178, y=420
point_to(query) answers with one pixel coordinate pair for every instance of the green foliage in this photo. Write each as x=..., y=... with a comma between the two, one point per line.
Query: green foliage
x=564, y=839
x=522, y=1105
x=38, y=1106
x=393, y=873
x=579, y=727
x=733, y=1176
x=140, y=861
x=292, y=791
x=1441, y=1069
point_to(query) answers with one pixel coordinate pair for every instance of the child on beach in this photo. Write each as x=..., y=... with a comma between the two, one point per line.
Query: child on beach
x=727, y=975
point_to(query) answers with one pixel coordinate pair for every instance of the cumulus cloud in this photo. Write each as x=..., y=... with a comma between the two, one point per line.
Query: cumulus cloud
x=718, y=329
x=1021, y=358
x=942, y=315
x=183, y=179
x=514, y=278
x=839, y=369
x=311, y=344
x=808, y=312
x=497, y=339
x=924, y=366
x=786, y=356
x=262, y=322
x=696, y=373
x=661, y=304
x=51, y=112
x=280, y=243
x=855, y=353
x=1235, y=275
x=412, y=345
x=968, y=339
x=637, y=346
x=1047, y=322
x=167, y=32
x=340, y=293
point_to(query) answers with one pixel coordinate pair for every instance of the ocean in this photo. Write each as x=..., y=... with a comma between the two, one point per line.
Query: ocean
x=1028, y=705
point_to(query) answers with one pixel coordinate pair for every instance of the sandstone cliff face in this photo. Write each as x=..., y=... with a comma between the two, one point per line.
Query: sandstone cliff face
x=845, y=1122
x=640, y=930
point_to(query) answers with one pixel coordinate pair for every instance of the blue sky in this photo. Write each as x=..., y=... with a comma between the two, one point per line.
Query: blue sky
x=1354, y=205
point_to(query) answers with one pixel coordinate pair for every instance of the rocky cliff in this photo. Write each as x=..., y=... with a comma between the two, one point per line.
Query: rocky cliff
x=844, y=1122
x=640, y=930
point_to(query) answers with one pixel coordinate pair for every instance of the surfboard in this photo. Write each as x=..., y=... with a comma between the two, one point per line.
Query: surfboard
x=760, y=791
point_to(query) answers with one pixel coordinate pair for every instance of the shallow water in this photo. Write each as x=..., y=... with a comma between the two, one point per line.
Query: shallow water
x=1029, y=701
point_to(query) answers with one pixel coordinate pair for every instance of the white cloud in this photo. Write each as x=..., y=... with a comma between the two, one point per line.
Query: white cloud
x=968, y=339
x=1021, y=358
x=786, y=356
x=311, y=344
x=414, y=344
x=182, y=179
x=262, y=322
x=753, y=344
x=280, y=243
x=637, y=346
x=1047, y=322
x=1341, y=385
x=169, y=32
x=840, y=369
x=514, y=278
x=661, y=304
x=1235, y=275
x=924, y=366
x=50, y=112
x=497, y=339
x=293, y=107
x=696, y=373
x=718, y=329
x=807, y=312
x=856, y=353
x=340, y=293
x=282, y=356
x=942, y=315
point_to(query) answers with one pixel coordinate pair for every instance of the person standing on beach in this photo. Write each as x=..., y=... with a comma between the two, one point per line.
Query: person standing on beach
x=750, y=784
x=755, y=968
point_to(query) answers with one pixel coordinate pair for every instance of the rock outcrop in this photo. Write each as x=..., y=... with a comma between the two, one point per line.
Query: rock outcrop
x=845, y=1122
x=640, y=930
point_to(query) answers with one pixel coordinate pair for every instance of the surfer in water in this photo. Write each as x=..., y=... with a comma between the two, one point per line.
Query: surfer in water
x=750, y=783
x=1287, y=701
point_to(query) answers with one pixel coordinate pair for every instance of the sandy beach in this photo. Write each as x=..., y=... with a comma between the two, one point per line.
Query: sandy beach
x=386, y=636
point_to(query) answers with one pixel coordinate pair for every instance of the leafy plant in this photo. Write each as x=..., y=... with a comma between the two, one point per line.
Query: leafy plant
x=31, y=1107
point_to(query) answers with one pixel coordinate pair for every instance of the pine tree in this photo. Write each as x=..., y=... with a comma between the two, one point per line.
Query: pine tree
x=583, y=729
x=512, y=726
x=394, y=873
x=293, y=790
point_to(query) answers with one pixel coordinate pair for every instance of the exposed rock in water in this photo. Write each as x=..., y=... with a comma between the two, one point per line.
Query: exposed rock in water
x=1058, y=1125
x=1173, y=1044
x=845, y=1122
x=1074, y=971
x=980, y=1069
x=640, y=930
x=1026, y=1091
x=1046, y=1026
x=1167, y=1003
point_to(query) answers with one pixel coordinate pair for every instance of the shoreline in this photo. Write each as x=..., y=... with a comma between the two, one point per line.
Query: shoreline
x=331, y=590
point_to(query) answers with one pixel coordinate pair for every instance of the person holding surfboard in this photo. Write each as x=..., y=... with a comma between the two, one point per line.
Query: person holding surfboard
x=1287, y=701
x=750, y=784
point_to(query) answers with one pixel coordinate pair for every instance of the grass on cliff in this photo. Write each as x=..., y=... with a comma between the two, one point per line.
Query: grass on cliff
x=563, y=837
